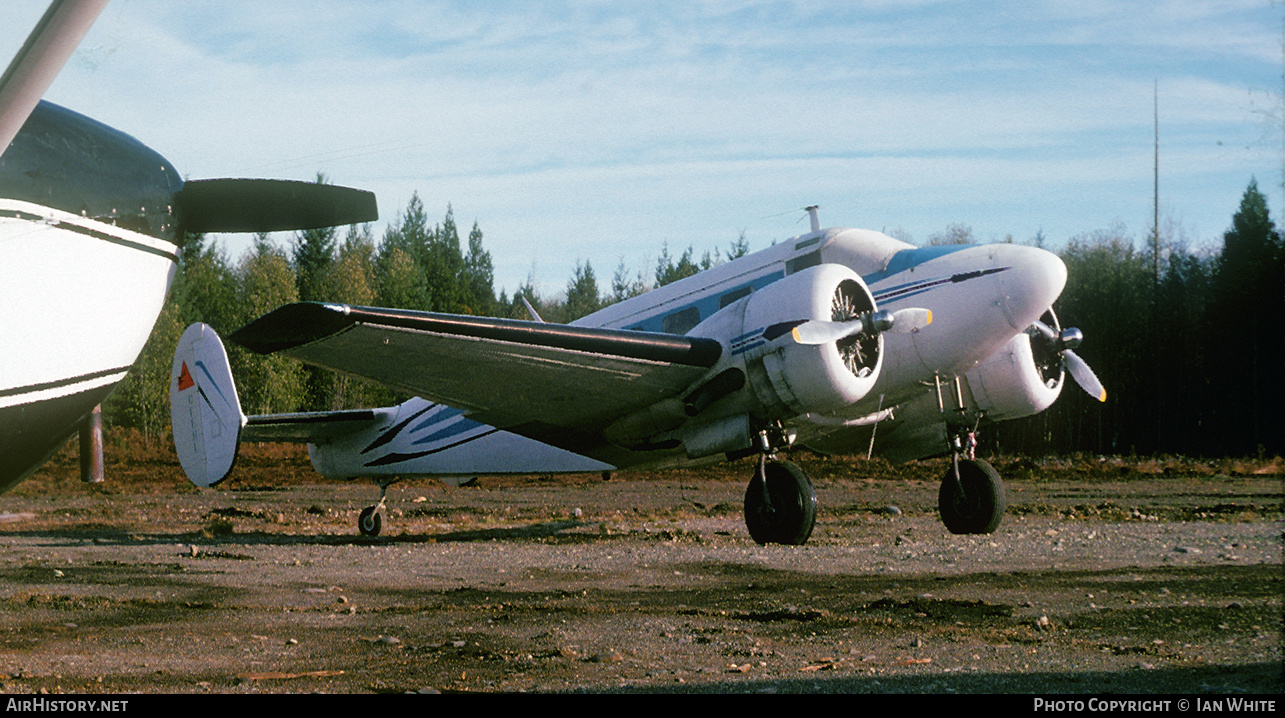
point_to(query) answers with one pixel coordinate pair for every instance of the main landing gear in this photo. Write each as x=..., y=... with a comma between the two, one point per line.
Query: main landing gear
x=972, y=498
x=371, y=521
x=780, y=503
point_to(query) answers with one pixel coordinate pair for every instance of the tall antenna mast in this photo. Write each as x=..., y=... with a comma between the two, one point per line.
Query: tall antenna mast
x=1155, y=226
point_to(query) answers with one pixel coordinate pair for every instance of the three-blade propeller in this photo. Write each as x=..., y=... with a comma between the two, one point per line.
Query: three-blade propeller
x=902, y=321
x=1063, y=342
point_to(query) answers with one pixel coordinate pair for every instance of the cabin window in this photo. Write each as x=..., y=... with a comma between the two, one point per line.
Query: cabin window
x=681, y=321
x=803, y=261
x=732, y=296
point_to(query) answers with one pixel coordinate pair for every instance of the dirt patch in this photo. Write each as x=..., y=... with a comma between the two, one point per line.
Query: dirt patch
x=1100, y=579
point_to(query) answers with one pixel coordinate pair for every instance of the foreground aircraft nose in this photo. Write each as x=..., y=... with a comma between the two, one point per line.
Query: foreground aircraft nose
x=1033, y=281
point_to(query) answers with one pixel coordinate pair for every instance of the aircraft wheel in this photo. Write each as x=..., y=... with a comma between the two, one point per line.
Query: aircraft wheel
x=980, y=508
x=786, y=512
x=370, y=522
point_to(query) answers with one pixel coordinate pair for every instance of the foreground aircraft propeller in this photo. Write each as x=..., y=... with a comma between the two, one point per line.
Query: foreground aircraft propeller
x=1062, y=343
x=36, y=65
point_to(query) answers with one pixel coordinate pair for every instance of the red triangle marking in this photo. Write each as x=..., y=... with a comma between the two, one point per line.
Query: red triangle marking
x=185, y=379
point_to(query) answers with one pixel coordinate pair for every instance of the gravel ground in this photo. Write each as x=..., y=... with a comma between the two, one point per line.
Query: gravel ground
x=1161, y=583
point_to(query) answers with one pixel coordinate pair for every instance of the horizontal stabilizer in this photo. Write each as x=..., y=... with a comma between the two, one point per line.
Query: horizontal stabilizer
x=315, y=427
x=266, y=205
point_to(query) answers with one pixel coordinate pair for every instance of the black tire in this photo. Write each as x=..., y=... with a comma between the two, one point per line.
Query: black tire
x=981, y=507
x=792, y=511
x=370, y=522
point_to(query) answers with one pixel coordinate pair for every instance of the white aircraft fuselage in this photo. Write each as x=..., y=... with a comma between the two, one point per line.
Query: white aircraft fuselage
x=87, y=255
x=983, y=299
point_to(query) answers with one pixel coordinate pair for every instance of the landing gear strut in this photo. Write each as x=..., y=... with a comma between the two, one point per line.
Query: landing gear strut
x=780, y=503
x=972, y=498
x=371, y=521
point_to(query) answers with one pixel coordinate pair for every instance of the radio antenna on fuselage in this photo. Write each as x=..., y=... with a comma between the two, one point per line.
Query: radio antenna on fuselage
x=812, y=215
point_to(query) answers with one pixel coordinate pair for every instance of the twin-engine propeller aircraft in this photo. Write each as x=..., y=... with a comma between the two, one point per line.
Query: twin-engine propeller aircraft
x=91, y=223
x=819, y=341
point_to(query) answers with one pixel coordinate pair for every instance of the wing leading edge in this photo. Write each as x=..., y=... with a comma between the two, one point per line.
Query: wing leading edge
x=556, y=383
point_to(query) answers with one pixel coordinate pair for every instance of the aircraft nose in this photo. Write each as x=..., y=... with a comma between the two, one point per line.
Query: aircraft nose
x=1033, y=281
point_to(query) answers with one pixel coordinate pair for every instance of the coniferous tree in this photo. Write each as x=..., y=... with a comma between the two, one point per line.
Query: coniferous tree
x=313, y=253
x=739, y=248
x=582, y=293
x=1247, y=330
x=479, y=276
x=668, y=271
x=623, y=287
x=402, y=254
x=443, y=267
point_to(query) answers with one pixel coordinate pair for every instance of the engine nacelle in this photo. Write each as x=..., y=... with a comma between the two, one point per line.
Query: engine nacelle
x=1011, y=383
x=767, y=373
x=786, y=377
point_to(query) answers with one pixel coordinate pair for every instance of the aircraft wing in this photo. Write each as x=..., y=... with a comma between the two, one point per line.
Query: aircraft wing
x=556, y=383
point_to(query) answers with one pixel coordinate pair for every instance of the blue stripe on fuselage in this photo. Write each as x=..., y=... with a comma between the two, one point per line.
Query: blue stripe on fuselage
x=902, y=261
x=707, y=306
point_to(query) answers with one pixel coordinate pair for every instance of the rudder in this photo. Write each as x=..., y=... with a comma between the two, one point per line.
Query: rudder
x=205, y=412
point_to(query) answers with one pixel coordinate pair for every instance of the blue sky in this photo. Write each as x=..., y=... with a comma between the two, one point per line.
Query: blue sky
x=599, y=131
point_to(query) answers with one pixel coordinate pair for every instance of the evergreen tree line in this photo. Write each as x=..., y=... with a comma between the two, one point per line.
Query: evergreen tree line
x=1188, y=344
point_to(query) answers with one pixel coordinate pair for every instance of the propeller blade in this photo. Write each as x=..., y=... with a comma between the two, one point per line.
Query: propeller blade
x=1083, y=375
x=816, y=331
x=1046, y=330
x=265, y=205
x=34, y=68
x=820, y=332
x=905, y=321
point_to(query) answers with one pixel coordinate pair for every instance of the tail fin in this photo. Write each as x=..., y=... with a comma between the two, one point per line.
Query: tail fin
x=204, y=410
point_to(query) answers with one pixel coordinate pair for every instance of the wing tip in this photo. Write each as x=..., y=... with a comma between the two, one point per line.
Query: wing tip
x=292, y=325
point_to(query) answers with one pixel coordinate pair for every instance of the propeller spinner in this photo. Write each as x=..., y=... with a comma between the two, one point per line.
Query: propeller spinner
x=901, y=321
x=1061, y=343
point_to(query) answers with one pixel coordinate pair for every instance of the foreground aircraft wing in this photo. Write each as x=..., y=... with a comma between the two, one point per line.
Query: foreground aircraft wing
x=555, y=383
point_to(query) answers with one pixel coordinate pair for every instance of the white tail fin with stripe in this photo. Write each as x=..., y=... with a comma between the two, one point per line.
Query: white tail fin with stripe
x=204, y=409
